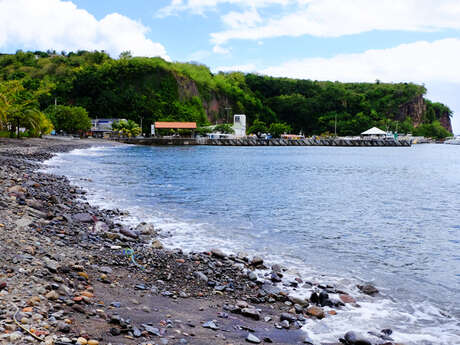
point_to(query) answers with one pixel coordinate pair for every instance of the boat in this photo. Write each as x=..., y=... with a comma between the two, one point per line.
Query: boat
x=453, y=141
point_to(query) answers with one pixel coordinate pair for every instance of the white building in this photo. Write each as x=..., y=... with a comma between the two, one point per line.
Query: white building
x=239, y=125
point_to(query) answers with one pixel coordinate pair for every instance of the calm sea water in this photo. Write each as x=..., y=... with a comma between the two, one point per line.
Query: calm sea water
x=390, y=216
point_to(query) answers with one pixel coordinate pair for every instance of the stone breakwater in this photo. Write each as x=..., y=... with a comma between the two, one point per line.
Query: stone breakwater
x=268, y=142
x=67, y=278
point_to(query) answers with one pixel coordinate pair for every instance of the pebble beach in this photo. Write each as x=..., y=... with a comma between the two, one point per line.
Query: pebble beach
x=71, y=273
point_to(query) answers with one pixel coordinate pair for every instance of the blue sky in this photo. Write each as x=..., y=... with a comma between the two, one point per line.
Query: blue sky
x=345, y=40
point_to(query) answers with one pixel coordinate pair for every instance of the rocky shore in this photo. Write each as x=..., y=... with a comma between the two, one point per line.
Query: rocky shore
x=74, y=274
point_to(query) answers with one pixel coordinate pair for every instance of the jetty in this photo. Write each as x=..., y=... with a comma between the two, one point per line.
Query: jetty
x=176, y=141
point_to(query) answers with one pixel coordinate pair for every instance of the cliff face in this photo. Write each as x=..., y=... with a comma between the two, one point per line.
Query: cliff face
x=445, y=122
x=414, y=109
x=214, y=105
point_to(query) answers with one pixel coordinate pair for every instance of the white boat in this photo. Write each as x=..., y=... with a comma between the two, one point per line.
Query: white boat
x=453, y=141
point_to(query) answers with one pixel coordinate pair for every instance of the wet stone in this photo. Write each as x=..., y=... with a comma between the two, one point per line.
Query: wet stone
x=252, y=339
x=211, y=325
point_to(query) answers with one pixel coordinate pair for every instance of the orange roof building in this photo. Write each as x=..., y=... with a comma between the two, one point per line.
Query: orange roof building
x=175, y=125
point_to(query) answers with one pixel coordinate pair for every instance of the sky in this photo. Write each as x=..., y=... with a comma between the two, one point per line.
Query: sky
x=339, y=40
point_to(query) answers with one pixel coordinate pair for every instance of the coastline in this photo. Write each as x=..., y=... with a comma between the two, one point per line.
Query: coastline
x=70, y=255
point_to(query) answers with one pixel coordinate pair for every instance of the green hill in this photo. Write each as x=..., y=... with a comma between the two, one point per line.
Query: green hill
x=153, y=89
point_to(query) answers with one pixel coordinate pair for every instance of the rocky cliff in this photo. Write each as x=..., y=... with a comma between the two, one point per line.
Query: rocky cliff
x=414, y=109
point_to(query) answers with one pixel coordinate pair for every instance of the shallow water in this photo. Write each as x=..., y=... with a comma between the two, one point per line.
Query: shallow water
x=386, y=215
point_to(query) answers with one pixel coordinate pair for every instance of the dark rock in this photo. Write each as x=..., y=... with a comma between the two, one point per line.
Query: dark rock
x=82, y=218
x=368, y=289
x=352, y=338
x=115, y=331
x=256, y=261
x=288, y=317
x=250, y=312
x=275, y=277
x=324, y=299
x=152, y=330
x=128, y=233
x=218, y=253
x=386, y=331
x=314, y=298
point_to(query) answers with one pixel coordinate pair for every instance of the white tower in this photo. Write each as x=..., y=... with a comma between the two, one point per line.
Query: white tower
x=239, y=125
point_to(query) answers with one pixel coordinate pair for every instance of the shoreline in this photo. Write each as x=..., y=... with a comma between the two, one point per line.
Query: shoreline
x=79, y=274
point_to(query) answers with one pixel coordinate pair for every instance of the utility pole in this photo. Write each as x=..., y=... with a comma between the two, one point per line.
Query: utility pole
x=335, y=125
x=227, y=109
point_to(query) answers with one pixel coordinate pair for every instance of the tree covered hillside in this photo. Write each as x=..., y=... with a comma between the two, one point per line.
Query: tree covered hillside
x=153, y=89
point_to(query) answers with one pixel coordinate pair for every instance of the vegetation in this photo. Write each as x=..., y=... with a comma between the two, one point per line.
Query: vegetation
x=258, y=128
x=224, y=128
x=19, y=108
x=126, y=128
x=145, y=90
x=432, y=130
x=69, y=119
x=276, y=129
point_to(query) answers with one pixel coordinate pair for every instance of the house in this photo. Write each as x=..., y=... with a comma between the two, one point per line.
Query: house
x=102, y=128
x=173, y=125
x=239, y=125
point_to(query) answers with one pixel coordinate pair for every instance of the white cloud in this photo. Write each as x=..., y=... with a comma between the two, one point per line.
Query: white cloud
x=237, y=68
x=60, y=25
x=334, y=18
x=236, y=20
x=220, y=50
x=433, y=63
x=418, y=62
x=201, y=6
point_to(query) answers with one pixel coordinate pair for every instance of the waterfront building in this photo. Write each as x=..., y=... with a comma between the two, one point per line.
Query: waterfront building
x=239, y=125
x=102, y=128
x=374, y=132
x=173, y=125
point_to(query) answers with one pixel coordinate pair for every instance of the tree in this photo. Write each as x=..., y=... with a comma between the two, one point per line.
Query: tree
x=224, y=128
x=125, y=55
x=432, y=130
x=258, y=127
x=276, y=129
x=19, y=107
x=126, y=128
x=69, y=119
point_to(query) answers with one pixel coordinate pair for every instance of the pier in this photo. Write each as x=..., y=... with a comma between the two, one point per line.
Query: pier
x=267, y=142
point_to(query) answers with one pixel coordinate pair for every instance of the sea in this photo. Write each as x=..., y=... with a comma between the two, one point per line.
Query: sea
x=389, y=216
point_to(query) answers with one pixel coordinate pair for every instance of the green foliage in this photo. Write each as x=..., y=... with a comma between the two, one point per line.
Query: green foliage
x=149, y=89
x=224, y=128
x=258, y=128
x=69, y=119
x=432, y=130
x=276, y=129
x=203, y=130
x=126, y=128
x=19, y=108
